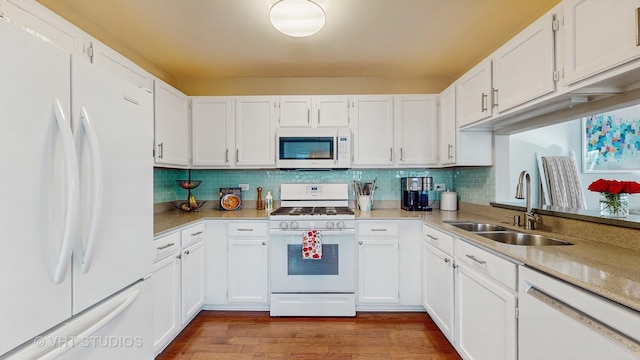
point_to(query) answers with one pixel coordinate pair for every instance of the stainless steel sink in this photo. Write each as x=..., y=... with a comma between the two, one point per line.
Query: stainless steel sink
x=523, y=239
x=475, y=226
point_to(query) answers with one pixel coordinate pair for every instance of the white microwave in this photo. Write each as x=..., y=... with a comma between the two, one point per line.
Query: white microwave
x=313, y=148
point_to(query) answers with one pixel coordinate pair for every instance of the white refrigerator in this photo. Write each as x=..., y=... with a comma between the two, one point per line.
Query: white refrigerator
x=77, y=207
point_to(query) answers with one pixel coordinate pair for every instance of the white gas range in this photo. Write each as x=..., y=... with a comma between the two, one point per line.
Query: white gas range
x=309, y=287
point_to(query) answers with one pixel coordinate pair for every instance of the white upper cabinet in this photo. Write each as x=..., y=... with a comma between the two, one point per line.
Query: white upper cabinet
x=473, y=94
x=523, y=68
x=329, y=111
x=415, y=121
x=171, y=126
x=212, y=131
x=463, y=148
x=255, y=131
x=372, y=126
x=295, y=111
x=598, y=35
x=313, y=111
x=447, y=126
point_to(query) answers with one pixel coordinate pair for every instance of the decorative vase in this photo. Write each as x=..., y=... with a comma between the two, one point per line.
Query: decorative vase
x=614, y=205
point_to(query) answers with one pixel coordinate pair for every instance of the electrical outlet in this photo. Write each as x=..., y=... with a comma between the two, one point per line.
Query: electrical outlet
x=440, y=187
x=244, y=187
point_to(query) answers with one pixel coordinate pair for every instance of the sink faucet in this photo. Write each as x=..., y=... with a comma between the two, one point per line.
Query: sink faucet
x=529, y=217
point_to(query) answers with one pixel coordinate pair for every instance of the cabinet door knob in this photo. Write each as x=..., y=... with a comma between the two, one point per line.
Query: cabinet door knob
x=264, y=243
x=186, y=252
x=360, y=242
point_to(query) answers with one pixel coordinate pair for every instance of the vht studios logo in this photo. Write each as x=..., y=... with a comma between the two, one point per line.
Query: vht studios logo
x=89, y=341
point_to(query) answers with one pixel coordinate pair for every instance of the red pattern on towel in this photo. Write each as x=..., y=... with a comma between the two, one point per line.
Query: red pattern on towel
x=311, y=245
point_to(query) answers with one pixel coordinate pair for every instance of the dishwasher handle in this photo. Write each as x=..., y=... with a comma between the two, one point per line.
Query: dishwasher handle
x=587, y=320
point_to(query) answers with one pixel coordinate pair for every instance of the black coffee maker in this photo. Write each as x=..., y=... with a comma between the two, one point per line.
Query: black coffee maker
x=415, y=193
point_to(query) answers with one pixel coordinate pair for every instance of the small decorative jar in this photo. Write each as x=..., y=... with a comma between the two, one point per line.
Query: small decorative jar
x=614, y=205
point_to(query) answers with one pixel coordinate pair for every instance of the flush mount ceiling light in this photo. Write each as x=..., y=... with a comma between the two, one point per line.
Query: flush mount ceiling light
x=297, y=18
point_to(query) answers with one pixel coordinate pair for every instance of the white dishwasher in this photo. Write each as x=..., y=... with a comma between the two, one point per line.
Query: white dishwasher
x=561, y=321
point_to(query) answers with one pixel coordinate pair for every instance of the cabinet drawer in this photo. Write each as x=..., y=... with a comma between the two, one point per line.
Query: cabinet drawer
x=382, y=229
x=192, y=234
x=491, y=265
x=166, y=245
x=438, y=239
x=246, y=229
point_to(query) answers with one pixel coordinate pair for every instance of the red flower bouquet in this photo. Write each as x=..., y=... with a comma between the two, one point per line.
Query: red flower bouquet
x=615, y=186
x=613, y=196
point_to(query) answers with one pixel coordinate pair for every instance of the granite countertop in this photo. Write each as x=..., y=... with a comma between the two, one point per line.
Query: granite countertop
x=168, y=220
x=606, y=270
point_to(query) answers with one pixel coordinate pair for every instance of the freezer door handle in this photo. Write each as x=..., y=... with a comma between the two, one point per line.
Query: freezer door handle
x=47, y=346
x=96, y=174
x=73, y=192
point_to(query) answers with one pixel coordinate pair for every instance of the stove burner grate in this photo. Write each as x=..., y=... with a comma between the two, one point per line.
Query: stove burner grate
x=310, y=211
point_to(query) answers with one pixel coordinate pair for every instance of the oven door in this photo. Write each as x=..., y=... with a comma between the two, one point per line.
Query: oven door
x=334, y=273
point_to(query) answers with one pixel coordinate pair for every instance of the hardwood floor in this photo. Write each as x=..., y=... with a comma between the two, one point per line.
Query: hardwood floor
x=222, y=335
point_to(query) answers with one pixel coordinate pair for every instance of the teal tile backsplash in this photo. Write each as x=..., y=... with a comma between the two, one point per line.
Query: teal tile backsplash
x=474, y=185
x=388, y=181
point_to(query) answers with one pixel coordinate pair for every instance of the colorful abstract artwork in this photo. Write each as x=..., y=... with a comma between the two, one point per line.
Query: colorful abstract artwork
x=611, y=141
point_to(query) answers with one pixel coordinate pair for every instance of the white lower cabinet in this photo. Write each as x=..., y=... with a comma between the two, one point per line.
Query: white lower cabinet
x=247, y=268
x=237, y=265
x=192, y=280
x=166, y=291
x=178, y=282
x=378, y=264
x=438, y=279
x=485, y=304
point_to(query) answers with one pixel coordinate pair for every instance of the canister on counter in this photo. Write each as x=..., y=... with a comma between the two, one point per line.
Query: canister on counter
x=448, y=201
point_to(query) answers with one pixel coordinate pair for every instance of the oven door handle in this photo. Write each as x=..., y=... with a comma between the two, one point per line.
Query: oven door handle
x=324, y=231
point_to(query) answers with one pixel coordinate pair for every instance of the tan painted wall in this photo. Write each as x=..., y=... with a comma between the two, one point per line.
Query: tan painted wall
x=311, y=86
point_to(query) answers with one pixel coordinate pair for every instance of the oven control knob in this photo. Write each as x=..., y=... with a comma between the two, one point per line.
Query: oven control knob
x=329, y=225
x=294, y=225
x=340, y=225
x=284, y=225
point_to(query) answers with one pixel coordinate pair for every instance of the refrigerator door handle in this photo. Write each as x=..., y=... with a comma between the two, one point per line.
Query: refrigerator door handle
x=96, y=160
x=73, y=193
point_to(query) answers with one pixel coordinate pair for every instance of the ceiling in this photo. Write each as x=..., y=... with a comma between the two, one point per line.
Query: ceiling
x=361, y=38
